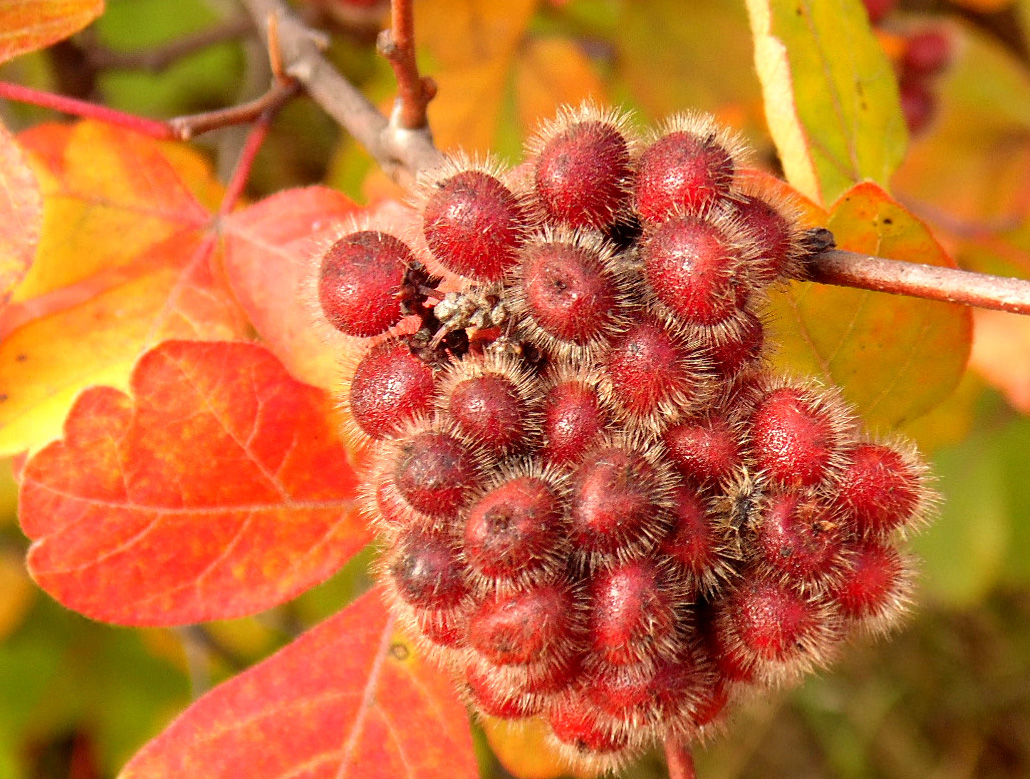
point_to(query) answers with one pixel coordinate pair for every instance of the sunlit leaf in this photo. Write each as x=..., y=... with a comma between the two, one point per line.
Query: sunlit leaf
x=550, y=72
x=895, y=357
x=831, y=99
x=1001, y=353
x=27, y=25
x=217, y=490
x=348, y=698
x=21, y=215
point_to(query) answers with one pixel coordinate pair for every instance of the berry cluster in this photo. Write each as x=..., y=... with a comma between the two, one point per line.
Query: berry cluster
x=599, y=505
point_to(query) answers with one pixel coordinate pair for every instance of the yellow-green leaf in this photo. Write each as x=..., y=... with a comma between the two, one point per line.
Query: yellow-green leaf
x=831, y=99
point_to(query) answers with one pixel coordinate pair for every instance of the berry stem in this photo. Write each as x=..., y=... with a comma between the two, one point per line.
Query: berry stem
x=397, y=44
x=679, y=759
x=932, y=282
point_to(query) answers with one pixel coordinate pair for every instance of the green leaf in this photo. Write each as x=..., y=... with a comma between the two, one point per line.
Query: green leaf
x=895, y=357
x=831, y=99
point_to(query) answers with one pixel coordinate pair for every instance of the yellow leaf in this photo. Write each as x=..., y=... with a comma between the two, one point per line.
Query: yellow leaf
x=831, y=99
x=16, y=592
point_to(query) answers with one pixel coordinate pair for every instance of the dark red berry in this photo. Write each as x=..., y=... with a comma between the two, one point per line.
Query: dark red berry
x=490, y=403
x=582, y=174
x=684, y=170
x=704, y=450
x=473, y=225
x=653, y=693
x=770, y=235
x=537, y=624
x=391, y=386
x=926, y=52
x=695, y=267
x=697, y=543
x=573, y=420
x=360, y=282
x=879, y=489
x=799, y=538
x=435, y=472
x=427, y=572
x=918, y=103
x=513, y=531
x=878, y=9
x=735, y=344
x=580, y=725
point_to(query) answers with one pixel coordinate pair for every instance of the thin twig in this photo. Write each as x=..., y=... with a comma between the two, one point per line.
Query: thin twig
x=397, y=44
x=848, y=269
x=186, y=127
x=157, y=59
x=678, y=758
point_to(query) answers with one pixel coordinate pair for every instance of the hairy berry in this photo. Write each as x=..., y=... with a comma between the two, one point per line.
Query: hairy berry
x=435, y=472
x=491, y=696
x=573, y=418
x=360, y=281
x=879, y=488
x=875, y=585
x=390, y=387
x=577, y=723
x=427, y=572
x=698, y=543
x=704, y=450
x=536, y=624
x=798, y=537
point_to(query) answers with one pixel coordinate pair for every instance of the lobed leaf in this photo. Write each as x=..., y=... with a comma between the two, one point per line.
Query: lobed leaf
x=831, y=100
x=895, y=357
x=21, y=215
x=218, y=489
x=349, y=698
x=28, y=25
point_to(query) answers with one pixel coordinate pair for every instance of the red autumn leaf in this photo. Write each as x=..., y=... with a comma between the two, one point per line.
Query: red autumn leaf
x=217, y=490
x=347, y=699
x=21, y=215
x=29, y=25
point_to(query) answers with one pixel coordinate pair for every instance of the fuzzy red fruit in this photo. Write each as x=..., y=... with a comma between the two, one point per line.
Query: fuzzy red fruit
x=568, y=294
x=579, y=724
x=446, y=627
x=795, y=438
x=434, y=472
x=697, y=544
x=797, y=537
x=360, y=281
x=770, y=236
x=513, y=532
x=474, y=225
x=634, y=613
x=391, y=386
x=875, y=584
x=704, y=451
x=573, y=419
x=659, y=692
x=695, y=269
x=927, y=52
x=879, y=489
x=491, y=409
x=582, y=175
x=735, y=344
x=613, y=505
x=427, y=572
x=651, y=372
x=534, y=625
x=682, y=171
x=491, y=695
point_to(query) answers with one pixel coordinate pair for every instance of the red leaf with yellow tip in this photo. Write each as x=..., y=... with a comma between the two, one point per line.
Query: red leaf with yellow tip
x=347, y=699
x=218, y=489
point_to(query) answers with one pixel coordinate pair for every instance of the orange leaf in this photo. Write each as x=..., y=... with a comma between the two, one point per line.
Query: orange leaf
x=218, y=489
x=549, y=73
x=21, y=215
x=347, y=699
x=27, y=25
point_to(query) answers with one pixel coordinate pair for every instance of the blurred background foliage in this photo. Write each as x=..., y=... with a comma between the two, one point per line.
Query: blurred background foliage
x=948, y=697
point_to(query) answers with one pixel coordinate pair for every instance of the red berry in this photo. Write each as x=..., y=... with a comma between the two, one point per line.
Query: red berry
x=880, y=489
x=698, y=543
x=514, y=531
x=579, y=724
x=435, y=472
x=473, y=225
x=582, y=172
x=391, y=386
x=616, y=501
x=875, y=586
x=533, y=625
x=769, y=226
x=689, y=168
x=492, y=696
x=573, y=418
x=918, y=104
x=659, y=693
x=568, y=292
x=926, y=53
x=799, y=538
x=696, y=268
x=653, y=374
x=427, y=572
x=796, y=435
x=360, y=281
x=635, y=613
x=704, y=450
x=735, y=344
x=878, y=9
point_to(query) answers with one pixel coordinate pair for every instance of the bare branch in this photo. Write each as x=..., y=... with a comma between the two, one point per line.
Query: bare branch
x=186, y=127
x=932, y=282
x=398, y=46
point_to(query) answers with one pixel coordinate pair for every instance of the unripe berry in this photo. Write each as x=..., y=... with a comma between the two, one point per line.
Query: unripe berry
x=472, y=223
x=582, y=172
x=880, y=488
x=875, y=586
x=534, y=625
x=568, y=292
x=493, y=402
x=616, y=502
x=635, y=613
x=689, y=167
x=798, y=537
x=514, y=530
x=573, y=416
x=696, y=267
x=797, y=435
x=653, y=374
x=704, y=450
x=360, y=281
x=435, y=471
x=698, y=543
x=390, y=387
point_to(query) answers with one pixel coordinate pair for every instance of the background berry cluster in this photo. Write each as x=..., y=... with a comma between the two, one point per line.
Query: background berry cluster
x=600, y=505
